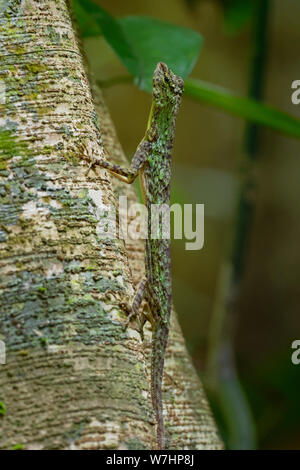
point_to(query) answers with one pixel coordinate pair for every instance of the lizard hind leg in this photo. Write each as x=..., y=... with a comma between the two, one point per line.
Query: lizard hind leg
x=133, y=309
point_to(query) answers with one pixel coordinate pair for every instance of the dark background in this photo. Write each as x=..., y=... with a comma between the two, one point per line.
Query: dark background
x=208, y=167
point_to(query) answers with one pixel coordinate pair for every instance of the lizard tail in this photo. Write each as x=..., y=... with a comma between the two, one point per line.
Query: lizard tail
x=159, y=340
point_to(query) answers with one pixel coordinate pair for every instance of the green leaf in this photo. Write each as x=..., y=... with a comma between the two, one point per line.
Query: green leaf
x=110, y=29
x=243, y=107
x=154, y=41
x=87, y=25
x=141, y=42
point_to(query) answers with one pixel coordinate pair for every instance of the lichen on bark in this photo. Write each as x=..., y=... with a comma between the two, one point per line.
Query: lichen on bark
x=73, y=377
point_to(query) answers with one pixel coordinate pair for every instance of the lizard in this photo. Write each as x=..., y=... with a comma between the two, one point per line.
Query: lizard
x=152, y=162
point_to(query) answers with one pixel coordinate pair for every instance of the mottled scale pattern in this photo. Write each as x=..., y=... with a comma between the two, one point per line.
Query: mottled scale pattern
x=152, y=161
x=167, y=90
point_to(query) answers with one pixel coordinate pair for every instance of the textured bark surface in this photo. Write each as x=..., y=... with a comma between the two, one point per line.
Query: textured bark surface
x=73, y=378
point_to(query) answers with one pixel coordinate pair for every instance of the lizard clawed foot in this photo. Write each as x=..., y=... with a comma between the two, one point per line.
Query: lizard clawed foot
x=86, y=155
x=91, y=165
x=125, y=306
x=131, y=315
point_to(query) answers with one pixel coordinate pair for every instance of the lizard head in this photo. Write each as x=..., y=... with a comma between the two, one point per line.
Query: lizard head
x=167, y=87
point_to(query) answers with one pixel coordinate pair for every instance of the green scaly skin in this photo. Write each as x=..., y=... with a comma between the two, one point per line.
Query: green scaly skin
x=152, y=161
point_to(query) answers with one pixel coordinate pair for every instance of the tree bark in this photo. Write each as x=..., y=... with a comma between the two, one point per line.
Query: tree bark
x=73, y=378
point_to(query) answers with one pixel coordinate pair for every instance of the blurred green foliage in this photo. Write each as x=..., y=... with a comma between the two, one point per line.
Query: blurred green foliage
x=155, y=41
x=237, y=14
x=141, y=42
x=247, y=108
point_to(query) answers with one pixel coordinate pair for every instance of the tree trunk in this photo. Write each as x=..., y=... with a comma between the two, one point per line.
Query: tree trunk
x=73, y=378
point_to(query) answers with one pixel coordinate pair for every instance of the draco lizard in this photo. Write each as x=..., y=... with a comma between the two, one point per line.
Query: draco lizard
x=152, y=162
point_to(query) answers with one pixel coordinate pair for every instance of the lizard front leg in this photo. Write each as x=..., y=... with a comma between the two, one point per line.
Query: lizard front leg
x=127, y=175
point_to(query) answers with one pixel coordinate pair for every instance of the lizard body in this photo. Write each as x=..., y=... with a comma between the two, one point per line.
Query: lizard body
x=152, y=162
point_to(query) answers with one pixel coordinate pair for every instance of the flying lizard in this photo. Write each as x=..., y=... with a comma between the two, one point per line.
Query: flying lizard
x=152, y=162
